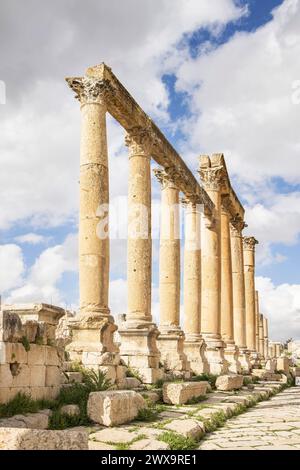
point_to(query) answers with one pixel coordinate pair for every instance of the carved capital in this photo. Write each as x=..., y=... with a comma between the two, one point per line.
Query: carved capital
x=212, y=178
x=249, y=243
x=138, y=140
x=166, y=179
x=89, y=90
x=237, y=225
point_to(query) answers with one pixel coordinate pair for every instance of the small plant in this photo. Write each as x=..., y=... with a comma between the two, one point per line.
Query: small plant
x=130, y=372
x=21, y=404
x=95, y=380
x=25, y=343
x=50, y=342
x=247, y=381
x=177, y=442
x=39, y=340
x=60, y=420
x=210, y=378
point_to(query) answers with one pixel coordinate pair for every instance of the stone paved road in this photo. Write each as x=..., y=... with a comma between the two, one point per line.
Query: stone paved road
x=270, y=425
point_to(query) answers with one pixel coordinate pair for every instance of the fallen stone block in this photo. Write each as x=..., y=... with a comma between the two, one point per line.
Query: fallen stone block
x=131, y=382
x=181, y=393
x=229, y=382
x=114, y=407
x=187, y=427
x=34, y=439
x=30, y=421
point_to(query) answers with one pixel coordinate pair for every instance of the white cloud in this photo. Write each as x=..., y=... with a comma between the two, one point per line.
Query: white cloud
x=281, y=304
x=12, y=267
x=31, y=238
x=241, y=94
x=41, y=283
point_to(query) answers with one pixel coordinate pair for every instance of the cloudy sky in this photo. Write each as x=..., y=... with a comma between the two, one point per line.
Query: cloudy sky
x=216, y=76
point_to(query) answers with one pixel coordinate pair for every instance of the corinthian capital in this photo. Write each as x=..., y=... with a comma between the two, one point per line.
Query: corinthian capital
x=138, y=140
x=249, y=243
x=88, y=90
x=211, y=177
x=166, y=179
x=237, y=224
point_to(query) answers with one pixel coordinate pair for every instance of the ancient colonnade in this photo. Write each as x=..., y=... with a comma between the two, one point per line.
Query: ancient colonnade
x=223, y=329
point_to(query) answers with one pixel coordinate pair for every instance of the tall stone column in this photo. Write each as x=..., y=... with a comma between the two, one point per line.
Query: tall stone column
x=249, y=277
x=194, y=345
x=171, y=338
x=257, y=321
x=231, y=351
x=238, y=283
x=211, y=272
x=261, y=336
x=266, y=338
x=138, y=333
x=93, y=329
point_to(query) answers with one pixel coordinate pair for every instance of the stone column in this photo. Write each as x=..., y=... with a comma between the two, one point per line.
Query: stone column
x=138, y=333
x=266, y=338
x=238, y=283
x=278, y=349
x=249, y=277
x=211, y=272
x=194, y=345
x=93, y=329
x=171, y=338
x=261, y=336
x=231, y=351
x=257, y=321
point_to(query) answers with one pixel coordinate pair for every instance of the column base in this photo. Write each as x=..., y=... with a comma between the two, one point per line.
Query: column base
x=244, y=358
x=231, y=354
x=215, y=354
x=271, y=365
x=92, y=344
x=254, y=359
x=138, y=350
x=195, y=349
x=171, y=346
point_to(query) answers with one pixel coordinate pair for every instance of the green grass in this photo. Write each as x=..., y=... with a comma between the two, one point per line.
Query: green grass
x=195, y=400
x=210, y=378
x=131, y=372
x=22, y=404
x=177, y=442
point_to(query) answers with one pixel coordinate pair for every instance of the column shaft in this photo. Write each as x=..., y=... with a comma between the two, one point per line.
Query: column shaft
x=261, y=335
x=256, y=321
x=226, y=280
x=249, y=266
x=238, y=284
x=139, y=244
x=94, y=200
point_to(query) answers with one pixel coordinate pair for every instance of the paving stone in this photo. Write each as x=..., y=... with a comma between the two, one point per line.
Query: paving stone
x=113, y=435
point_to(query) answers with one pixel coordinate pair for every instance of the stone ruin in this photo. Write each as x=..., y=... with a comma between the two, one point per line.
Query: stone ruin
x=224, y=331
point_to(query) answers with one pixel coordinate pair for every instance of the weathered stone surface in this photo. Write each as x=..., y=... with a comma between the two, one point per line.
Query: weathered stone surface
x=113, y=435
x=74, y=377
x=114, y=407
x=71, y=410
x=187, y=427
x=30, y=421
x=149, y=444
x=229, y=382
x=181, y=393
x=131, y=382
x=154, y=397
x=32, y=439
x=100, y=446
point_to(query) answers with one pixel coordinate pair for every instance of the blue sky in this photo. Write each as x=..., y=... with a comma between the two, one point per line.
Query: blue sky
x=216, y=75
